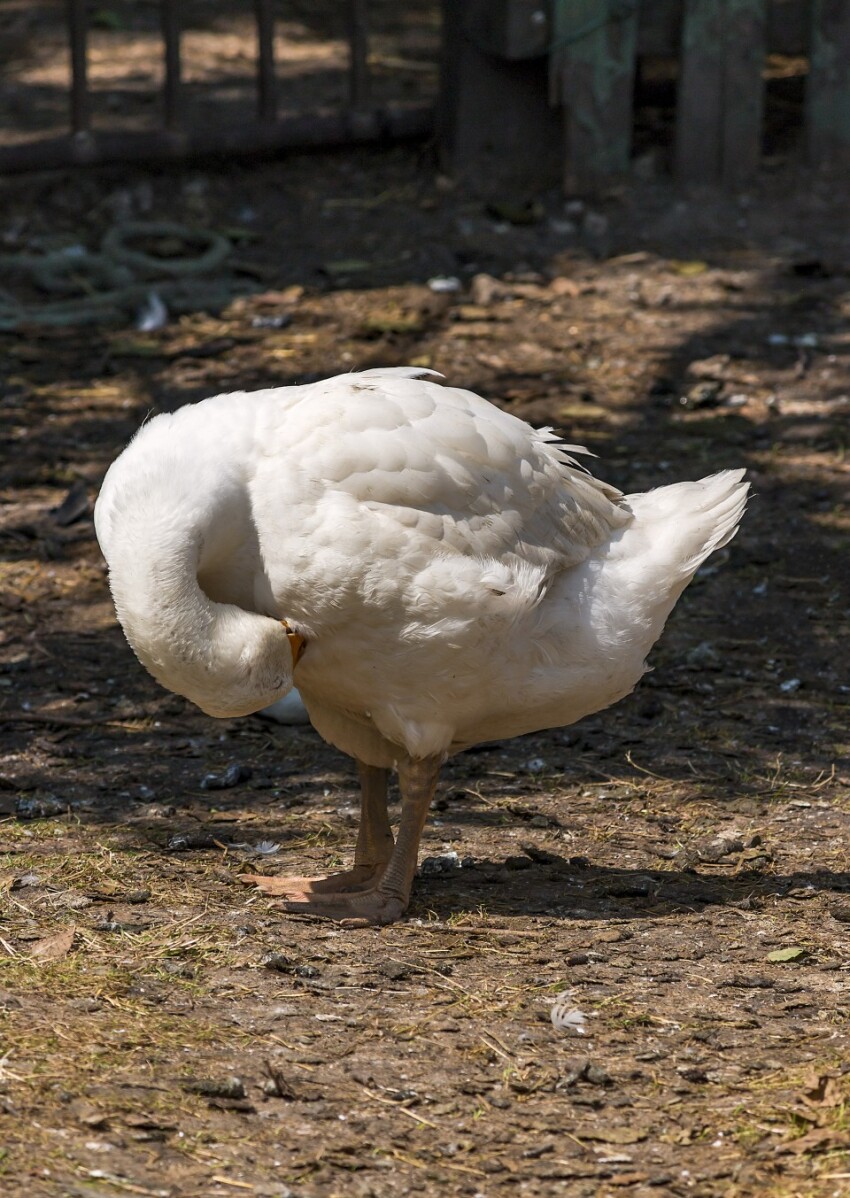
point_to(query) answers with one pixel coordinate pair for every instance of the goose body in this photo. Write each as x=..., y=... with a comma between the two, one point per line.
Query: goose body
x=452, y=575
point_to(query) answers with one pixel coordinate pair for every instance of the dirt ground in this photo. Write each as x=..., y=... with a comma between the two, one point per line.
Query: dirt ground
x=678, y=865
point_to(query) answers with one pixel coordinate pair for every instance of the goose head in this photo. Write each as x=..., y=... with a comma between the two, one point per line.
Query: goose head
x=244, y=663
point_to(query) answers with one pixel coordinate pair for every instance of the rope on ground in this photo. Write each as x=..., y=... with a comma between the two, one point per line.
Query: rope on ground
x=107, y=285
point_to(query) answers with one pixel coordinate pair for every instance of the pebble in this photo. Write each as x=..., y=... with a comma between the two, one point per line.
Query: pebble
x=446, y=863
x=703, y=395
x=28, y=807
x=396, y=971
x=444, y=284
x=185, y=842
x=485, y=289
x=704, y=656
x=278, y=321
x=226, y=1087
x=232, y=776
x=790, y=685
x=278, y=962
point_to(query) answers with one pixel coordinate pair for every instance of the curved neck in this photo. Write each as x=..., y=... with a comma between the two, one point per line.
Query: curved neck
x=153, y=573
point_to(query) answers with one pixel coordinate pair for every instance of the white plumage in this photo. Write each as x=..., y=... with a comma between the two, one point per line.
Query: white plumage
x=455, y=576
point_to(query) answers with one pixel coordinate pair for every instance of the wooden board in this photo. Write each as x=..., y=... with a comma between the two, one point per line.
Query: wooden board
x=497, y=132
x=828, y=89
x=745, y=55
x=592, y=72
x=721, y=91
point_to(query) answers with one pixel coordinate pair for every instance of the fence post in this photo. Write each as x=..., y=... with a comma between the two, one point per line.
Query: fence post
x=497, y=132
x=77, y=36
x=266, y=78
x=828, y=88
x=592, y=70
x=172, y=89
x=721, y=91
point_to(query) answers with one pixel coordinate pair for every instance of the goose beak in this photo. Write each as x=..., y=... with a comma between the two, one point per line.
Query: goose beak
x=297, y=643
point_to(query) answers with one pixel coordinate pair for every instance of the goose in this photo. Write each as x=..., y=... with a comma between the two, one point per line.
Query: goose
x=428, y=569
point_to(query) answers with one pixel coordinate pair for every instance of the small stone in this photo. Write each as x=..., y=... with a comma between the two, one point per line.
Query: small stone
x=703, y=395
x=232, y=776
x=30, y=807
x=485, y=289
x=278, y=962
x=86, y=1005
x=178, y=969
x=704, y=656
x=226, y=1087
x=444, y=284
x=186, y=842
x=446, y=863
x=394, y=970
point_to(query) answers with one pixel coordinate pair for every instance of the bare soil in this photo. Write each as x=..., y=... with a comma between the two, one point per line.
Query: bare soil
x=166, y=1031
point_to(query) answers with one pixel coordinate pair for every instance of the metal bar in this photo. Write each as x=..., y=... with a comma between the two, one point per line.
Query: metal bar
x=297, y=131
x=172, y=89
x=358, y=41
x=266, y=80
x=77, y=35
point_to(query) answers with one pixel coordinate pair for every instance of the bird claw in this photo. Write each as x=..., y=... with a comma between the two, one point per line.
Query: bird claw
x=373, y=908
x=349, y=881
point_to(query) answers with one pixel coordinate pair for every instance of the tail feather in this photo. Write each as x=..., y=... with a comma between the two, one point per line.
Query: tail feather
x=691, y=520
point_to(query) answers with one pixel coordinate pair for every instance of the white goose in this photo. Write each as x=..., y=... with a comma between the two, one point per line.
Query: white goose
x=431, y=570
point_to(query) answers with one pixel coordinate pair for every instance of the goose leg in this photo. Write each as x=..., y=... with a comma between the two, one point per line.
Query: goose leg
x=371, y=854
x=386, y=899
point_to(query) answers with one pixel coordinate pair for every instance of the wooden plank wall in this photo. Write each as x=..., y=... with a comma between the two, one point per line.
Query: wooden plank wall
x=592, y=68
x=496, y=131
x=721, y=91
x=828, y=91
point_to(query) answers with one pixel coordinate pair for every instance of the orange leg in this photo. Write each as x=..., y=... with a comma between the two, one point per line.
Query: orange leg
x=387, y=897
x=371, y=855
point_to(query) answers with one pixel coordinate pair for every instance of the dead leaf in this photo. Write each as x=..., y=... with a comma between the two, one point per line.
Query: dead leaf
x=53, y=948
x=822, y=1089
x=688, y=269
x=819, y=1139
x=787, y=954
x=612, y=1135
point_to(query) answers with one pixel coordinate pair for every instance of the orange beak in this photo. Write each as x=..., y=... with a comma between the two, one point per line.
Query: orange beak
x=297, y=643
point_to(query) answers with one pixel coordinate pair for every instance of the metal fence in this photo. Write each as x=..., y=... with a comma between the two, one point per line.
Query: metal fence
x=176, y=138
